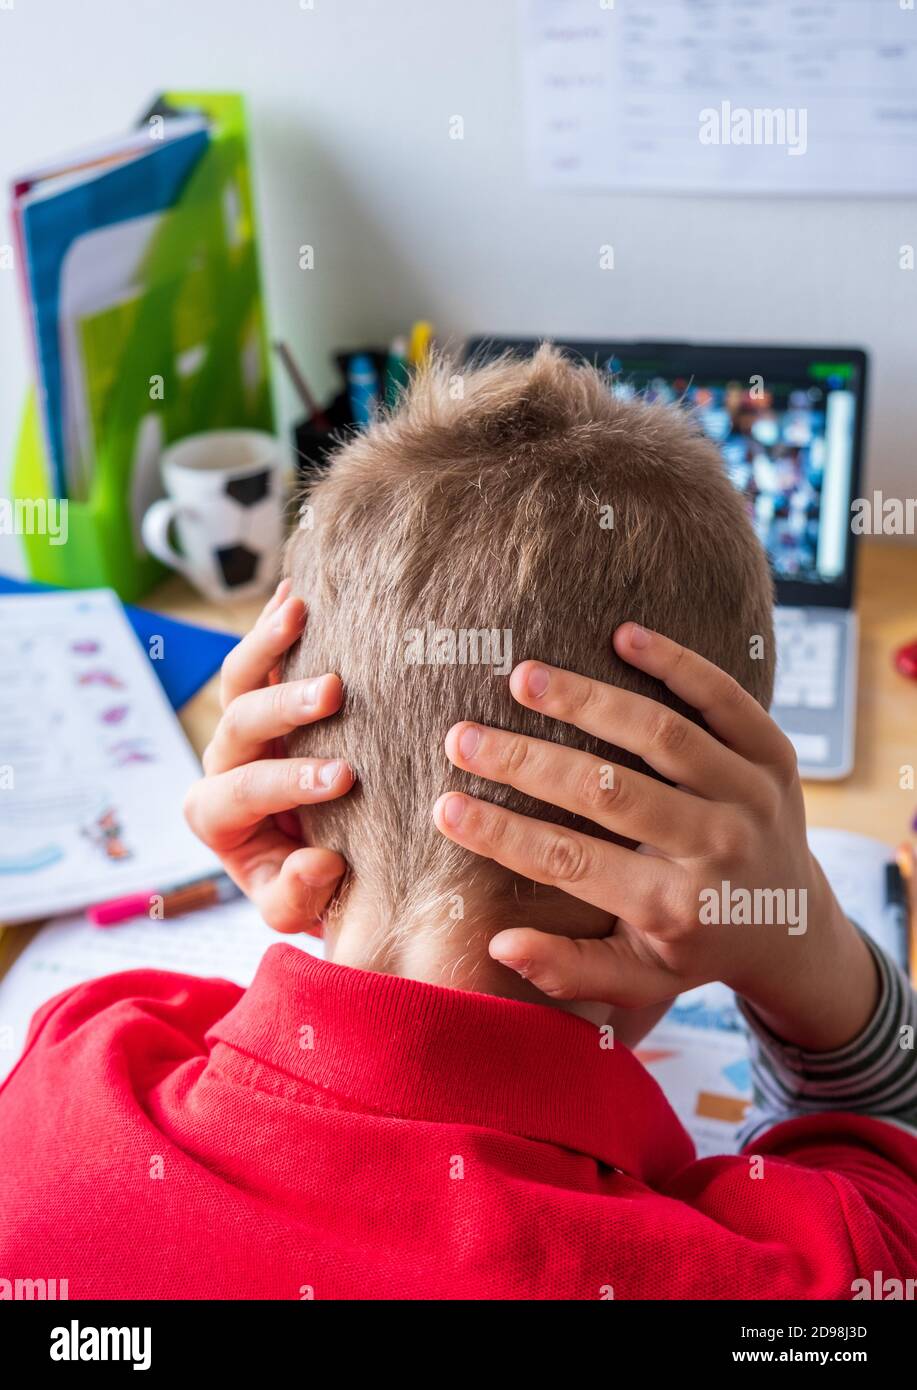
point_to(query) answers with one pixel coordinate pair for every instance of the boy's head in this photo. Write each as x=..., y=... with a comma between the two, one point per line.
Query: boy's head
x=512, y=511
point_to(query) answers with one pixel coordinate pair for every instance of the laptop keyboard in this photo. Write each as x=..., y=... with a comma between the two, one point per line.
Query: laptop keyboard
x=808, y=653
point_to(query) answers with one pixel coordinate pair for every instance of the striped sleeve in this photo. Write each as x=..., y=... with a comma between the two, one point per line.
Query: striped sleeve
x=875, y=1074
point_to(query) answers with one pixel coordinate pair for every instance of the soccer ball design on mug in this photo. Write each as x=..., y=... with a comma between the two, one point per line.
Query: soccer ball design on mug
x=226, y=494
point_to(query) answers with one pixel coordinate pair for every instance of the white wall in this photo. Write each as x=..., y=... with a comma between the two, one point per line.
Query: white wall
x=350, y=104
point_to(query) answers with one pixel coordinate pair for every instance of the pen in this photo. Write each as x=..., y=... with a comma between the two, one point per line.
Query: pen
x=316, y=415
x=421, y=343
x=184, y=897
x=908, y=871
x=896, y=909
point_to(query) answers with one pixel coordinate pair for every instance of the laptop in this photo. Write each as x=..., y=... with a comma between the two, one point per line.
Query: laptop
x=789, y=423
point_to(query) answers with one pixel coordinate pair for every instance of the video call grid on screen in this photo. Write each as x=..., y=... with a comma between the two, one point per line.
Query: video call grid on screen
x=788, y=423
x=787, y=446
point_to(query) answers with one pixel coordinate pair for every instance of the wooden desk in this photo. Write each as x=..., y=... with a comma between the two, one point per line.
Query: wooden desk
x=177, y=599
x=870, y=801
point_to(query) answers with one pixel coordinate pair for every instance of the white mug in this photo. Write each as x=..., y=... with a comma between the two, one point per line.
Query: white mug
x=227, y=501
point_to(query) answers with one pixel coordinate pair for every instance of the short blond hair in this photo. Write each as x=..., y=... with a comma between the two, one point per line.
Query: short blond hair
x=518, y=497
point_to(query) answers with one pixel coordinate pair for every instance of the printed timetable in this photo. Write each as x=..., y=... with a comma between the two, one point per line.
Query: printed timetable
x=800, y=97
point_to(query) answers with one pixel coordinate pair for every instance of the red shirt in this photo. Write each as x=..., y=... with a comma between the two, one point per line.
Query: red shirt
x=330, y=1133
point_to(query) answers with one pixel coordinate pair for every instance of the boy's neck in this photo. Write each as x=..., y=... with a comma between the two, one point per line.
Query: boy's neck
x=448, y=953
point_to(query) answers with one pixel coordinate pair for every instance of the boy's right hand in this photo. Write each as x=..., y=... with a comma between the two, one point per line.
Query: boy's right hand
x=243, y=808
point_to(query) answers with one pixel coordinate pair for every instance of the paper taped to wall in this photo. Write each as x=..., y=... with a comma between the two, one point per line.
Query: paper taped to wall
x=776, y=97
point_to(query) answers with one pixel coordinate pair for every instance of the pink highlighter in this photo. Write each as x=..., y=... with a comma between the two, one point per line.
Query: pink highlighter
x=187, y=897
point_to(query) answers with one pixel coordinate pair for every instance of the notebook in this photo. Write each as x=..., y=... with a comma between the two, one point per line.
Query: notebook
x=94, y=766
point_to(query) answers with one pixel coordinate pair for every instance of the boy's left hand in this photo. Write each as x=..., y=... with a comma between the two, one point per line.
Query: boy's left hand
x=734, y=818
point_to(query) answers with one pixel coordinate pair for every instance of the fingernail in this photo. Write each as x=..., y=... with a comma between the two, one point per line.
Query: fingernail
x=521, y=966
x=279, y=620
x=639, y=637
x=310, y=694
x=498, y=951
x=328, y=773
x=453, y=810
x=537, y=682
x=469, y=742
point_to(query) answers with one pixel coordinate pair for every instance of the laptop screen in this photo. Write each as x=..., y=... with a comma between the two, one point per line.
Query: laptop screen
x=788, y=441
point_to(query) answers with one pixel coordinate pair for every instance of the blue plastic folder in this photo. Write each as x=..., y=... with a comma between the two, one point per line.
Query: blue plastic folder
x=52, y=225
x=191, y=655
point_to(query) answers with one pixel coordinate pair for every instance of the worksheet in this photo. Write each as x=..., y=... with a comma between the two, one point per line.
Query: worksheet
x=94, y=765
x=800, y=97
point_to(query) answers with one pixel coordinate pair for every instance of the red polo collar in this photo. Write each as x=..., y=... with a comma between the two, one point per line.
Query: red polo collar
x=420, y=1051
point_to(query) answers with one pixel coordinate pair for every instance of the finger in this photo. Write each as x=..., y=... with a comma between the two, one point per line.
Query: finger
x=308, y=878
x=250, y=663
x=727, y=707
x=603, y=970
x=293, y=894
x=616, y=798
x=679, y=750
x=224, y=809
x=257, y=717
x=611, y=877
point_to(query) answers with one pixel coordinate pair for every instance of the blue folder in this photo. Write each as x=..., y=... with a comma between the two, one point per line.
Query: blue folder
x=147, y=184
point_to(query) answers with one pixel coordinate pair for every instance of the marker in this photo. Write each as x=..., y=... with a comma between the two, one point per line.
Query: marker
x=896, y=909
x=421, y=343
x=362, y=388
x=185, y=897
x=397, y=374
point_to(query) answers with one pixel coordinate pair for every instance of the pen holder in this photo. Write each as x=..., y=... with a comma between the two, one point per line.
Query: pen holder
x=312, y=444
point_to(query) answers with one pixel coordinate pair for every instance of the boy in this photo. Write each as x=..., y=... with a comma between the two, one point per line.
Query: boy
x=423, y=1114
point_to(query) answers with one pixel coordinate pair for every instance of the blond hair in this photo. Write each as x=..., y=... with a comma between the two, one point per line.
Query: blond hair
x=517, y=497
